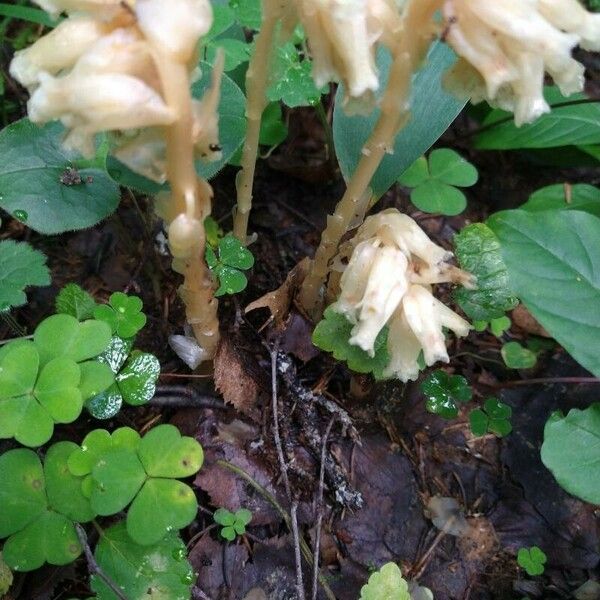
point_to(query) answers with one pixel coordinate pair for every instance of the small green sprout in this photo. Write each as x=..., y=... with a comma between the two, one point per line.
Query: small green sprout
x=435, y=182
x=123, y=313
x=532, y=560
x=516, y=356
x=386, y=583
x=234, y=524
x=232, y=259
x=497, y=326
x=494, y=417
x=444, y=392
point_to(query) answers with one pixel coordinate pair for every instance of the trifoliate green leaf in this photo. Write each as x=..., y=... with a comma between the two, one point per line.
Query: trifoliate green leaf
x=123, y=313
x=333, y=333
x=444, y=391
x=386, y=584
x=20, y=267
x=75, y=301
x=494, y=418
x=532, y=560
x=451, y=168
x=478, y=252
x=234, y=254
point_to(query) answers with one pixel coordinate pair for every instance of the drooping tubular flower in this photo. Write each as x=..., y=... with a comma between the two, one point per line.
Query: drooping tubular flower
x=507, y=46
x=102, y=68
x=387, y=281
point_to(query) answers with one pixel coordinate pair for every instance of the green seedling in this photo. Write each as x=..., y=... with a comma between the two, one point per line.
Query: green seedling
x=133, y=566
x=494, y=417
x=444, y=392
x=123, y=313
x=135, y=377
x=497, y=326
x=478, y=252
x=228, y=263
x=516, y=356
x=532, y=560
x=386, y=583
x=39, y=507
x=333, y=333
x=47, y=380
x=234, y=524
x=435, y=182
x=143, y=476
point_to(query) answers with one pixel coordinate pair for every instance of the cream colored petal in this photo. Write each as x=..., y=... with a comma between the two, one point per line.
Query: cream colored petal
x=404, y=349
x=174, y=26
x=104, y=7
x=144, y=153
x=57, y=50
x=571, y=16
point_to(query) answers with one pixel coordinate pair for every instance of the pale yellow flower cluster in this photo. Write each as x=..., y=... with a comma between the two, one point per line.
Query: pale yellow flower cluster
x=388, y=281
x=104, y=68
x=507, y=46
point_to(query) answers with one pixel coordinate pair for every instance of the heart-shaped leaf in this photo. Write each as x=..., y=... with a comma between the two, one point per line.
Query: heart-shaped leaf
x=161, y=506
x=116, y=354
x=22, y=490
x=234, y=254
x=26, y=420
x=64, y=335
x=19, y=365
x=57, y=390
x=517, y=357
x=96, y=377
x=106, y=404
x=164, y=452
x=117, y=479
x=232, y=281
x=62, y=487
x=75, y=301
x=450, y=167
x=155, y=571
x=437, y=197
x=137, y=381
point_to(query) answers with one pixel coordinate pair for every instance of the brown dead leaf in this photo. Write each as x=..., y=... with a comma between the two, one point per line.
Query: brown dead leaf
x=280, y=300
x=233, y=378
x=523, y=319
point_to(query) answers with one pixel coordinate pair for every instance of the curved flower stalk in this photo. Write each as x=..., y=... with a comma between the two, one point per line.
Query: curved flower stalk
x=507, y=46
x=124, y=68
x=388, y=282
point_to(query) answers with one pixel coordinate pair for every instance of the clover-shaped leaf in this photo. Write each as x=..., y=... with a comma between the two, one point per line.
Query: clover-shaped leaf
x=444, y=391
x=232, y=259
x=517, y=357
x=75, y=301
x=478, y=252
x=143, y=474
x=494, y=417
x=38, y=505
x=333, y=333
x=233, y=524
x=435, y=182
x=497, y=326
x=386, y=583
x=134, y=383
x=153, y=571
x=123, y=313
x=532, y=560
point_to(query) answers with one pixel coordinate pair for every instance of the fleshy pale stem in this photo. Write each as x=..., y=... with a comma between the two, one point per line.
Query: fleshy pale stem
x=408, y=51
x=192, y=196
x=256, y=85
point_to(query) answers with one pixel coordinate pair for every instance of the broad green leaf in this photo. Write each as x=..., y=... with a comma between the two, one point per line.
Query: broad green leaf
x=20, y=267
x=161, y=506
x=118, y=477
x=137, y=380
x=96, y=377
x=32, y=163
x=333, y=333
x=123, y=313
x=532, y=560
x=19, y=363
x=27, y=13
x=156, y=572
x=231, y=281
x=223, y=19
x=478, y=252
x=291, y=77
x=433, y=110
x=236, y=52
x=580, y=196
x=386, y=584
x=554, y=266
x=517, y=357
x=571, y=450
x=50, y=538
x=164, y=452
x=57, y=389
x=75, y=301
x=437, y=197
x=576, y=124
x=64, y=335
x=450, y=167
x=233, y=254
x=22, y=490
x=62, y=487
x=444, y=391
x=247, y=12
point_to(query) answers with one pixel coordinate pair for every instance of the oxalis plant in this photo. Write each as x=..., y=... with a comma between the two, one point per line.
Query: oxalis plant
x=137, y=93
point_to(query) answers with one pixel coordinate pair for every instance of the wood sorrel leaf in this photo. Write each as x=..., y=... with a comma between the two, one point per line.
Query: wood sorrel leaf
x=75, y=301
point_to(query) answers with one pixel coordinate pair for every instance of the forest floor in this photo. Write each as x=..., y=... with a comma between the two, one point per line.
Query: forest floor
x=385, y=457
